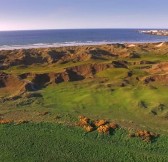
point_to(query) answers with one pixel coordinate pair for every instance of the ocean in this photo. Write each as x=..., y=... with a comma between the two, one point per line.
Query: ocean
x=71, y=37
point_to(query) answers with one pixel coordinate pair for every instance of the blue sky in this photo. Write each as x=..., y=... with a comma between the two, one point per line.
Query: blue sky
x=62, y=14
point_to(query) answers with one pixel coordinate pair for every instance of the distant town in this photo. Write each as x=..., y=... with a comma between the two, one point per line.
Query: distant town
x=155, y=32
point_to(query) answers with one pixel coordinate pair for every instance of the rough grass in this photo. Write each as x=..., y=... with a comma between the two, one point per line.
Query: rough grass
x=115, y=74
x=51, y=142
x=130, y=103
x=45, y=68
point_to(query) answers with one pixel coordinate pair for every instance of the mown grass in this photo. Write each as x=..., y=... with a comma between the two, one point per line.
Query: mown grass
x=53, y=142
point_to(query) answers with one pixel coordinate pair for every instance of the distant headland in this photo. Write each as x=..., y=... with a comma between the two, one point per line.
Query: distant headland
x=155, y=32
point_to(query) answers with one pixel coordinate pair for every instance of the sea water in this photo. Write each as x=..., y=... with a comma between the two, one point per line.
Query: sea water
x=72, y=37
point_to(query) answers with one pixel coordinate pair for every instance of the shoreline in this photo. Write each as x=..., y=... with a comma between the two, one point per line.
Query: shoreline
x=70, y=44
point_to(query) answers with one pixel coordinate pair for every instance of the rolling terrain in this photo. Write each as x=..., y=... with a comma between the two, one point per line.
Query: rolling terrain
x=44, y=91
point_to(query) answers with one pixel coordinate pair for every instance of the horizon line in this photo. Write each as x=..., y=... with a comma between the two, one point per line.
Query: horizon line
x=77, y=29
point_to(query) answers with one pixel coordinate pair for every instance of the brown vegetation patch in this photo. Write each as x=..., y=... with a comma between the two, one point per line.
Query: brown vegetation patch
x=106, y=127
x=6, y=121
x=145, y=135
x=159, y=68
x=102, y=126
x=103, y=129
x=83, y=121
x=99, y=123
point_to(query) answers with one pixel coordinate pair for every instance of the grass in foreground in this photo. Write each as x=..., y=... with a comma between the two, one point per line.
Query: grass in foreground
x=52, y=142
